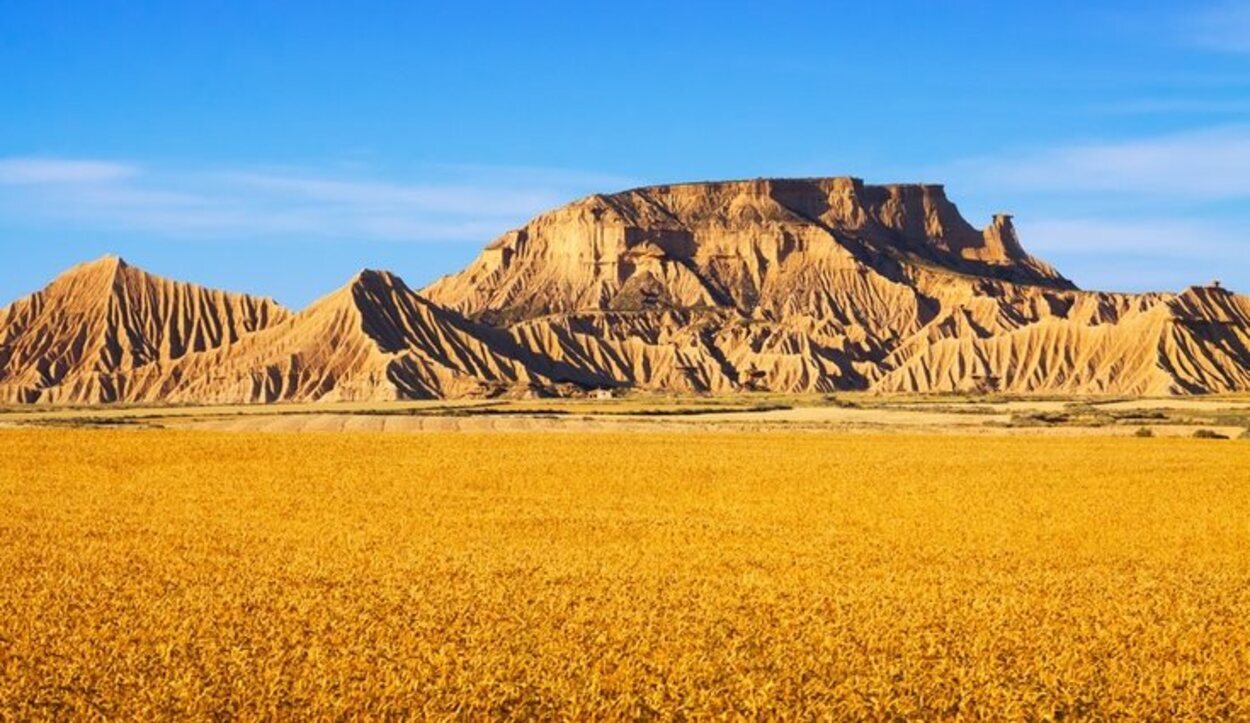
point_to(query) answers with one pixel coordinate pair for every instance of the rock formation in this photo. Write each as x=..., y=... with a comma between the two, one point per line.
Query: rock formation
x=372, y=340
x=745, y=245
x=804, y=285
x=83, y=338
x=824, y=284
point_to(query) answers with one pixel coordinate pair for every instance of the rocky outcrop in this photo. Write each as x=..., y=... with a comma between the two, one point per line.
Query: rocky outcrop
x=821, y=284
x=744, y=244
x=372, y=340
x=83, y=337
x=807, y=285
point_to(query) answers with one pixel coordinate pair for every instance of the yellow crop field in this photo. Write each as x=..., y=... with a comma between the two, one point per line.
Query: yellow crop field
x=153, y=574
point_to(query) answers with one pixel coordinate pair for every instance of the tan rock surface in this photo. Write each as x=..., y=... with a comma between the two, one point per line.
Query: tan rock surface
x=822, y=284
x=372, y=340
x=84, y=336
x=782, y=285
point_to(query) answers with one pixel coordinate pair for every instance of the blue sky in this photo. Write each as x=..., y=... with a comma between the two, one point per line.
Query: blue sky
x=278, y=147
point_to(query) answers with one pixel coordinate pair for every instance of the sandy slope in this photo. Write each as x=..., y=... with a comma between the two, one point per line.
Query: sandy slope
x=86, y=336
x=794, y=286
x=823, y=284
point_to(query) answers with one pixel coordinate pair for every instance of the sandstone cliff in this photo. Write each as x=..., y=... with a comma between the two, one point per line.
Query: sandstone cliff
x=744, y=244
x=823, y=284
x=783, y=285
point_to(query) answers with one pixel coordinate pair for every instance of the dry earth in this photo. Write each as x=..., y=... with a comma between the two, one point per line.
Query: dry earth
x=799, y=286
x=1165, y=417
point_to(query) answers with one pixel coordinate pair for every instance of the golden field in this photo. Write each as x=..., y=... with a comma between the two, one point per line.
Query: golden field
x=151, y=574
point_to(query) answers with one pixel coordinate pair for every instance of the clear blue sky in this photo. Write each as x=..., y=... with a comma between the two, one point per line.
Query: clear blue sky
x=279, y=147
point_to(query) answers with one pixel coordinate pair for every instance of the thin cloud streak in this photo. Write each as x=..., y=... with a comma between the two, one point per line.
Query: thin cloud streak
x=1157, y=238
x=1176, y=106
x=1156, y=212
x=1224, y=27
x=1212, y=164
x=232, y=204
x=1156, y=254
x=460, y=199
x=41, y=171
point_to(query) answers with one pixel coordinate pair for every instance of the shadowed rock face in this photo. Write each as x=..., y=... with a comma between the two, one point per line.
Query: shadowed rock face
x=741, y=244
x=806, y=285
x=82, y=338
x=824, y=284
x=372, y=340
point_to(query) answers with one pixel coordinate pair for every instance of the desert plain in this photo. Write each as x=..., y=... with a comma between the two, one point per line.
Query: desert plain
x=667, y=557
x=771, y=448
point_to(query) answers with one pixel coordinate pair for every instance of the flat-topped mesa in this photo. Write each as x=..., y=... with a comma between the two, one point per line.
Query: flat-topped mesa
x=726, y=243
x=766, y=285
x=784, y=285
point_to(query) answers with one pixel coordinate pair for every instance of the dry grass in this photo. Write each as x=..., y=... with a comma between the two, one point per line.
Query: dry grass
x=176, y=574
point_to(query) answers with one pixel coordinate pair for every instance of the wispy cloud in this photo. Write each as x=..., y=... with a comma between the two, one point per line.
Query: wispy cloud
x=1212, y=164
x=1162, y=211
x=449, y=204
x=1177, y=106
x=38, y=171
x=1223, y=27
x=455, y=198
x=1161, y=238
x=1138, y=254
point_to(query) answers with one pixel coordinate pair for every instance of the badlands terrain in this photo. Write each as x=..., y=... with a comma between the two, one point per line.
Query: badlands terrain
x=800, y=286
x=760, y=449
